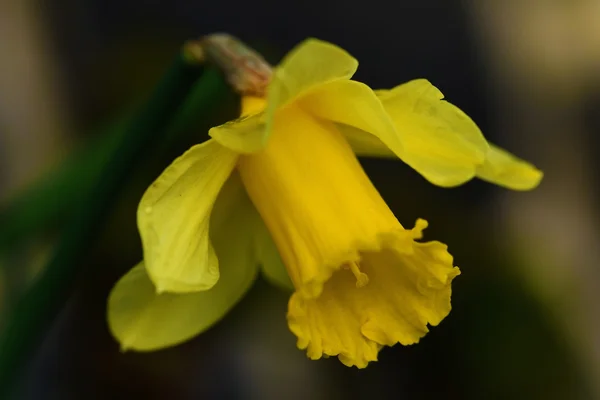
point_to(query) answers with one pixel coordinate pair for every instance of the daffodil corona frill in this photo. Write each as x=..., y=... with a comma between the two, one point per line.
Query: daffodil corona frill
x=281, y=188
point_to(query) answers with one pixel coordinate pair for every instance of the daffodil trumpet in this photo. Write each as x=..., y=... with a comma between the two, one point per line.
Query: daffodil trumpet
x=281, y=190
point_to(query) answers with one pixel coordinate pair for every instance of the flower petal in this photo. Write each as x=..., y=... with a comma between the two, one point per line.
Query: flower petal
x=440, y=141
x=407, y=289
x=309, y=65
x=356, y=105
x=141, y=319
x=174, y=215
x=247, y=134
x=315, y=233
x=504, y=169
x=267, y=255
x=431, y=135
x=365, y=144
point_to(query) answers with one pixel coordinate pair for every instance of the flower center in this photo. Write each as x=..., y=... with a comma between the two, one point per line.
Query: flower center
x=361, y=278
x=331, y=228
x=317, y=202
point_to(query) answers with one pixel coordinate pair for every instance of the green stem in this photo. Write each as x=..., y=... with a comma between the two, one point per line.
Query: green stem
x=52, y=198
x=49, y=200
x=31, y=317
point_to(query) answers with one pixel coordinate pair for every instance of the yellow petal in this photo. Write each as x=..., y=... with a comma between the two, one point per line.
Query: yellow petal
x=328, y=222
x=405, y=290
x=440, y=141
x=309, y=65
x=140, y=319
x=355, y=104
x=174, y=215
x=316, y=200
x=246, y=134
x=504, y=169
x=431, y=135
x=266, y=252
x=252, y=105
x=365, y=144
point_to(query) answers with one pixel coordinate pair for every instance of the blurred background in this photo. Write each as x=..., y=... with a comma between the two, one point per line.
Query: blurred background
x=526, y=310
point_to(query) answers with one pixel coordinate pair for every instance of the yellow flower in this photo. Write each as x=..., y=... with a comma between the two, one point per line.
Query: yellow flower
x=281, y=188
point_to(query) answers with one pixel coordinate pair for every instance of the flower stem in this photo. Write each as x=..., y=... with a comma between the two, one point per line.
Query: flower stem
x=34, y=313
x=52, y=198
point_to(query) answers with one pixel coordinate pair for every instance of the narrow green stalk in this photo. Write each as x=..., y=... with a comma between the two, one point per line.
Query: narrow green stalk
x=49, y=200
x=31, y=317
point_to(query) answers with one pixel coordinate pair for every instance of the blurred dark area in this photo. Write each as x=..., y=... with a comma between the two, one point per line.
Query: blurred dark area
x=525, y=322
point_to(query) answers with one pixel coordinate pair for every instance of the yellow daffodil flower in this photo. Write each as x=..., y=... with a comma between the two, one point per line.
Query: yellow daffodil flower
x=281, y=188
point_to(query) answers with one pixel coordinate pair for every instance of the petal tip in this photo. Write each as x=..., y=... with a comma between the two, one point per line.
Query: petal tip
x=535, y=180
x=315, y=42
x=504, y=169
x=164, y=285
x=420, y=225
x=125, y=347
